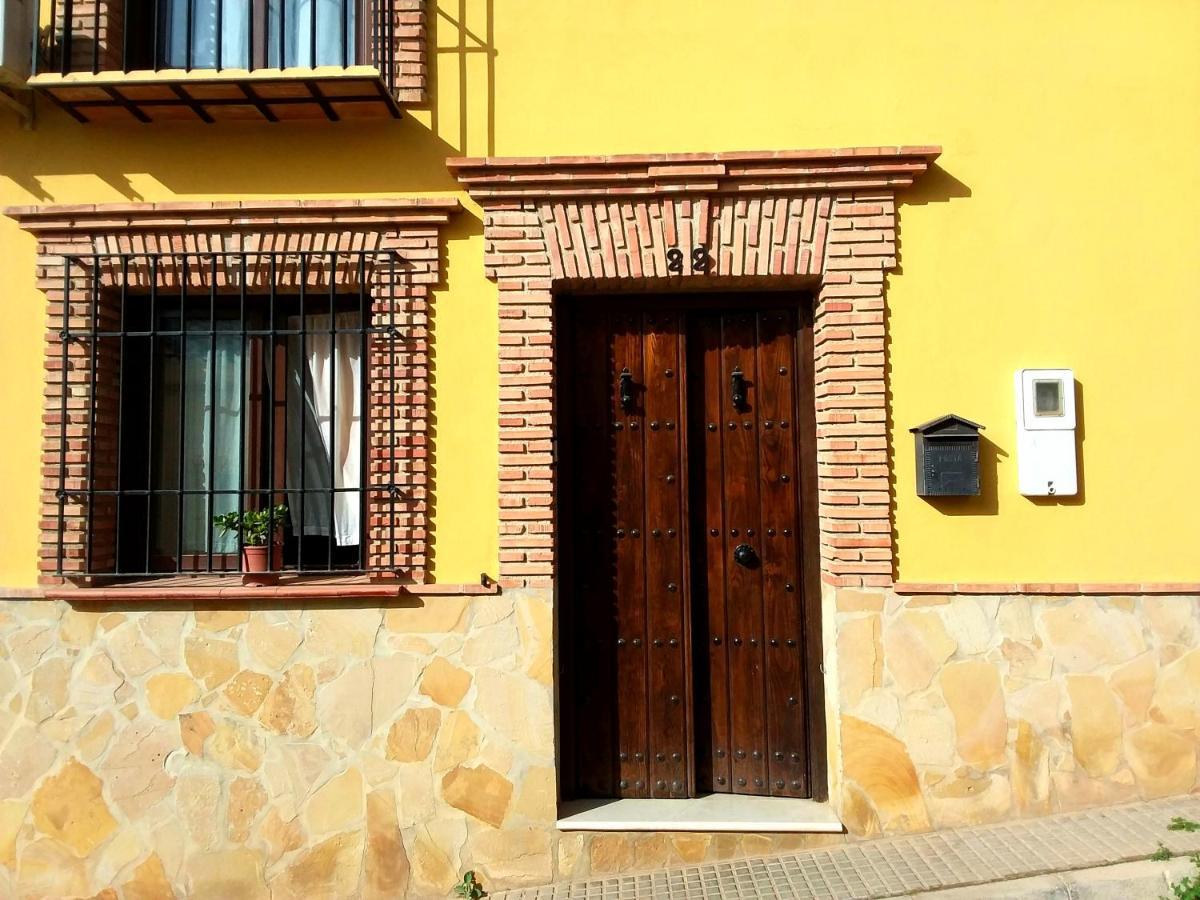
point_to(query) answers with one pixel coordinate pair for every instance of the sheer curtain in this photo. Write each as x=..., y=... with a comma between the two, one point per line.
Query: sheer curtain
x=333, y=17
x=211, y=370
x=234, y=34
x=324, y=414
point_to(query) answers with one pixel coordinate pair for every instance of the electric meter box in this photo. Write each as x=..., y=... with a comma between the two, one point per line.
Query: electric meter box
x=16, y=41
x=1046, y=433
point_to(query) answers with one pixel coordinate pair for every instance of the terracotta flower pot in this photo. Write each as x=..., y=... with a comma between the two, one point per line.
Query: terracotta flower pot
x=256, y=570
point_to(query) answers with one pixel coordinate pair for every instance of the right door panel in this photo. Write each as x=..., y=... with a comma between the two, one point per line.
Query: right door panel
x=746, y=507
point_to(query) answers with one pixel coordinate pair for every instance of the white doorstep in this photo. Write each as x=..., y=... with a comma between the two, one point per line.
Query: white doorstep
x=714, y=812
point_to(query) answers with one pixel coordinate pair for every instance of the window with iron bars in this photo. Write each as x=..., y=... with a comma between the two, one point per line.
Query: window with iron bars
x=204, y=386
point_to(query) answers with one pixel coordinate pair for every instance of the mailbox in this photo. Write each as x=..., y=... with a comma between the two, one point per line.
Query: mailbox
x=948, y=457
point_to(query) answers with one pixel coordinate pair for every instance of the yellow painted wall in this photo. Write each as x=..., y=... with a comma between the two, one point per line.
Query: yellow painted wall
x=1061, y=229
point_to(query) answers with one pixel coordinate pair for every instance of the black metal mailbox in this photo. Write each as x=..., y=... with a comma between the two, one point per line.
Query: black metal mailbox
x=948, y=457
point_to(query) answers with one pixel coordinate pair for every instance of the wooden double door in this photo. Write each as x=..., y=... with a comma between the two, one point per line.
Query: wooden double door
x=688, y=608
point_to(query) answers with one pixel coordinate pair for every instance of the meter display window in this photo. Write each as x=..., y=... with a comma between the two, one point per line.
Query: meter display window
x=1048, y=398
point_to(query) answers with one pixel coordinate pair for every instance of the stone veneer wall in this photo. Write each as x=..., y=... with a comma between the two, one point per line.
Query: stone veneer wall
x=965, y=709
x=352, y=751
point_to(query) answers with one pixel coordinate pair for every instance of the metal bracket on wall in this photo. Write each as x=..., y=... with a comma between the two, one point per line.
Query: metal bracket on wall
x=19, y=102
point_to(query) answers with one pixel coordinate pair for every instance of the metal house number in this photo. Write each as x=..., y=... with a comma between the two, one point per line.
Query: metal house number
x=700, y=260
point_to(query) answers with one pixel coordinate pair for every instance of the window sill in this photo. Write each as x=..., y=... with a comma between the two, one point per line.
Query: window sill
x=714, y=812
x=288, y=588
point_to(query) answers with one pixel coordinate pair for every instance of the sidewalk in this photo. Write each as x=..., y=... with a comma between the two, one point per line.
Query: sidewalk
x=960, y=863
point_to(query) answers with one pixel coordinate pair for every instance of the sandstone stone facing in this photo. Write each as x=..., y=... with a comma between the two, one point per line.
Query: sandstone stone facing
x=445, y=683
x=68, y=807
x=242, y=753
x=481, y=792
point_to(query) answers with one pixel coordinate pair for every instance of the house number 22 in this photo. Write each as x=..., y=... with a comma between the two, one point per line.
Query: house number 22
x=700, y=260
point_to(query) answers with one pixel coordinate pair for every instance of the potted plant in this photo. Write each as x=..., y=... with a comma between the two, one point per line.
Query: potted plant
x=253, y=525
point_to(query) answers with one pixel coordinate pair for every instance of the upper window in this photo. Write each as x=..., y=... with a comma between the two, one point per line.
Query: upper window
x=228, y=388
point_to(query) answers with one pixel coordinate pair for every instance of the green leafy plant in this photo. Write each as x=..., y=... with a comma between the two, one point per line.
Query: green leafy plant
x=1162, y=854
x=1189, y=887
x=252, y=524
x=469, y=887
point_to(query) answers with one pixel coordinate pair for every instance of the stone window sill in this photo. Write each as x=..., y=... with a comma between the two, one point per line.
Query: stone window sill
x=289, y=587
x=714, y=812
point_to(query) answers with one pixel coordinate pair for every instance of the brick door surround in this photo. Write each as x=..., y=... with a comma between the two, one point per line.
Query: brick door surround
x=822, y=220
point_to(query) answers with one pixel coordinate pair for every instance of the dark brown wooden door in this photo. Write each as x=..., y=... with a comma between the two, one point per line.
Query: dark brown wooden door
x=749, y=584
x=682, y=669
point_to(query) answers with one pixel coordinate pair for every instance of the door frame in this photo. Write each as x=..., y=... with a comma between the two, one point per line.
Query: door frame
x=567, y=305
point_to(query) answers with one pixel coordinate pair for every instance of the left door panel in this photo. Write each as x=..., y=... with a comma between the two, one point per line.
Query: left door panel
x=624, y=598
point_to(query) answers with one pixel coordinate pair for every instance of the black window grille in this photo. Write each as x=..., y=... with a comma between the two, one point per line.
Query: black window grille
x=201, y=385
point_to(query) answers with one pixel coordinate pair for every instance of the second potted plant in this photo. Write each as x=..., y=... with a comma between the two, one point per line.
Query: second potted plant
x=254, y=526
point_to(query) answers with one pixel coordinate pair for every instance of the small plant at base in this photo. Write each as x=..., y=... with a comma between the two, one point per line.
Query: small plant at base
x=1189, y=887
x=1162, y=854
x=469, y=887
x=253, y=524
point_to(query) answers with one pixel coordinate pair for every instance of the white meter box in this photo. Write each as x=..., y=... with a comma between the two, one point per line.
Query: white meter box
x=1046, y=433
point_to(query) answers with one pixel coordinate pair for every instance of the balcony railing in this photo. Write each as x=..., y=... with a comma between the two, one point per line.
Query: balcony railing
x=249, y=43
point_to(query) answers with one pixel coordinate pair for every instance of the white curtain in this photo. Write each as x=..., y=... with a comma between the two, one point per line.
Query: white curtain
x=234, y=37
x=212, y=410
x=324, y=414
x=334, y=18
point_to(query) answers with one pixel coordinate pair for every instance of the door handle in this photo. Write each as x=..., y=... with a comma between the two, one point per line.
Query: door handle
x=744, y=555
x=625, y=389
x=737, y=387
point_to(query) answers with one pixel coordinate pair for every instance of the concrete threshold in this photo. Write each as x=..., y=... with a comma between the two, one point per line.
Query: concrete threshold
x=713, y=812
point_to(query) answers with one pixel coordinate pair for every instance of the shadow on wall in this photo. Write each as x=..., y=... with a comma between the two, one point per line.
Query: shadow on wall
x=935, y=186
x=288, y=159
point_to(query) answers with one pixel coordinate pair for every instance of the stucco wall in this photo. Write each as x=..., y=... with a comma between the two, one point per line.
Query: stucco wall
x=1058, y=230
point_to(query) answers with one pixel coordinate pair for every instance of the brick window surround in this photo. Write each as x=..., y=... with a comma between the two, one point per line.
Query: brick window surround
x=820, y=220
x=398, y=445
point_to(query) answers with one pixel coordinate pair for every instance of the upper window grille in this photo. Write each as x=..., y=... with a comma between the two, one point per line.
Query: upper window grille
x=202, y=384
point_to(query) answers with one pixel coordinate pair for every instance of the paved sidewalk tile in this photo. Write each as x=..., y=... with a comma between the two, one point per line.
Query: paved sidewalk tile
x=899, y=866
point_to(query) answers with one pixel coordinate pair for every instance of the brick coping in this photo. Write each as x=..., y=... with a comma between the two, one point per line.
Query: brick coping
x=1054, y=587
x=927, y=152
x=431, y=209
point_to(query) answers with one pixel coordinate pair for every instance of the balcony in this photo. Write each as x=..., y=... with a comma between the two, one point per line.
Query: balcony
x=214, y=60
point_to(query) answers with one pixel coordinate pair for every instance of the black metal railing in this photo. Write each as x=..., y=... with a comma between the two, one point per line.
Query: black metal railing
x=197, y=387
x=138, y=35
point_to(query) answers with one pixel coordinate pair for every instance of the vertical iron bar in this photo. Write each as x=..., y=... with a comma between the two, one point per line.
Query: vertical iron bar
x=364, y=497
x=120, y=369
x=189, y=34
x=390, y=39
x=35, y=56
x=158, y=36
x=64, y=335
x=250, y=34
x=271, y=381
x=95, y=37
x=312, y=33
x=212, y=405
x=67, y=35
x=303, y=408
x=333, y=360
x=220, y=33
x=183, y=342
x=282, y=34
x=346, y=7
x=241, y=481
x=91, y=438
x=125, y=19
x=153, y=328
x=394, y=488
